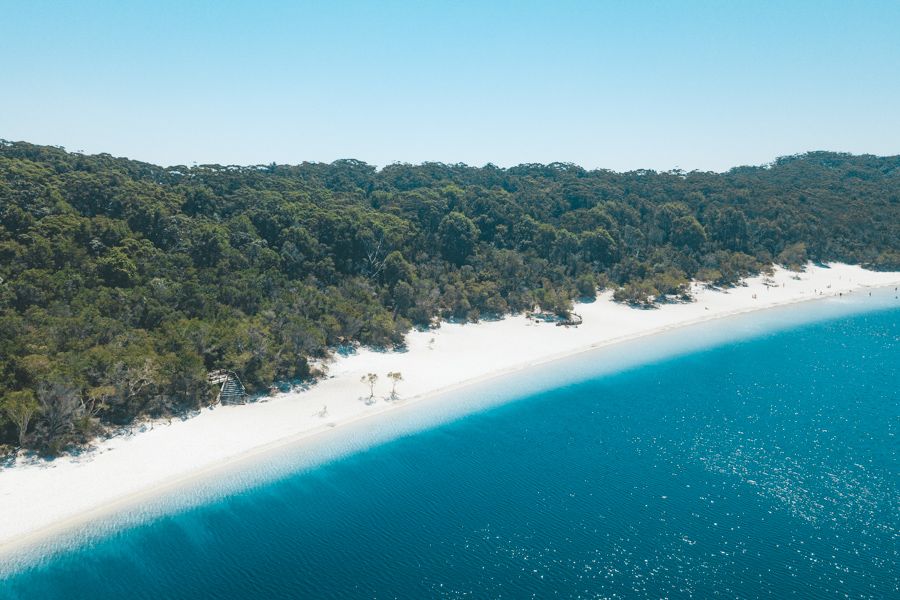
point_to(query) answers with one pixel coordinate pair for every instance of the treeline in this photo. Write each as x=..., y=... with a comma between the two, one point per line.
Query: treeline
x=123, y=283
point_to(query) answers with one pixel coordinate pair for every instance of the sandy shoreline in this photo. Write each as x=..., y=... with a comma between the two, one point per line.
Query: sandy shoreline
x=40, y=499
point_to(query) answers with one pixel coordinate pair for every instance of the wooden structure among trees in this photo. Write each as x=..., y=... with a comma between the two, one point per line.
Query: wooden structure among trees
x=232, y=390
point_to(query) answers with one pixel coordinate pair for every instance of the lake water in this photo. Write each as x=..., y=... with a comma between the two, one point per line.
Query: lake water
x=766, y=467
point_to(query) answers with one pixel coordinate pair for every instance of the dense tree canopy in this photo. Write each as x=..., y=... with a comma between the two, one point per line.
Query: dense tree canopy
x=123, y=283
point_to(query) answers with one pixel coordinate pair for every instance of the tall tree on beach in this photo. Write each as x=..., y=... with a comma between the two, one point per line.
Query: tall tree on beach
x=395, y=377
x=370, y=379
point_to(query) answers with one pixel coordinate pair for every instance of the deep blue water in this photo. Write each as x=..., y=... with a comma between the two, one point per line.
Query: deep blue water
x=762, y=468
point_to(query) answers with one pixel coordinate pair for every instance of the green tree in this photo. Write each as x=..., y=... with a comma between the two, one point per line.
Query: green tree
x=21, y=407
x=397, y=269
x=395, y=377
x=370, y=379
x=598, y=246
x=116, y=268
x=794, y=256
x=688, y=232
x=457, y=235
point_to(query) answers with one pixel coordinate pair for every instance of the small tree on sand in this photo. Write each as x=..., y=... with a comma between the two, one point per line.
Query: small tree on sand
x=20, y=407
x=395, y=378
x=370, y=379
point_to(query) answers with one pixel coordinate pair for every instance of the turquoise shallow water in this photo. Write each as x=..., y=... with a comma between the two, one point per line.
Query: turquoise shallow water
x=760, y=468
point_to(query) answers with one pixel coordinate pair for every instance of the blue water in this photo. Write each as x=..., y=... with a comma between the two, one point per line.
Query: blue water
x=762, y=468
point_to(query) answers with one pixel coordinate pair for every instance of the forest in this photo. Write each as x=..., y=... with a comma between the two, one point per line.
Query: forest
x=122, y=283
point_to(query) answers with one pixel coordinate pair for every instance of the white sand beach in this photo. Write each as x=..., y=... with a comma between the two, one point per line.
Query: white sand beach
x=37, y=496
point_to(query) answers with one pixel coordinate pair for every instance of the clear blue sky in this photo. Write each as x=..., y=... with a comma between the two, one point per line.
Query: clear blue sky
x=621, y=85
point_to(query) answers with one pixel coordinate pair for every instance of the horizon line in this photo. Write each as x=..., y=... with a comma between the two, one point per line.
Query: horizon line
x=378, y=168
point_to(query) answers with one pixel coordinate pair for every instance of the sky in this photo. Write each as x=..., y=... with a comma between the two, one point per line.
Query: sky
x=620, y=85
